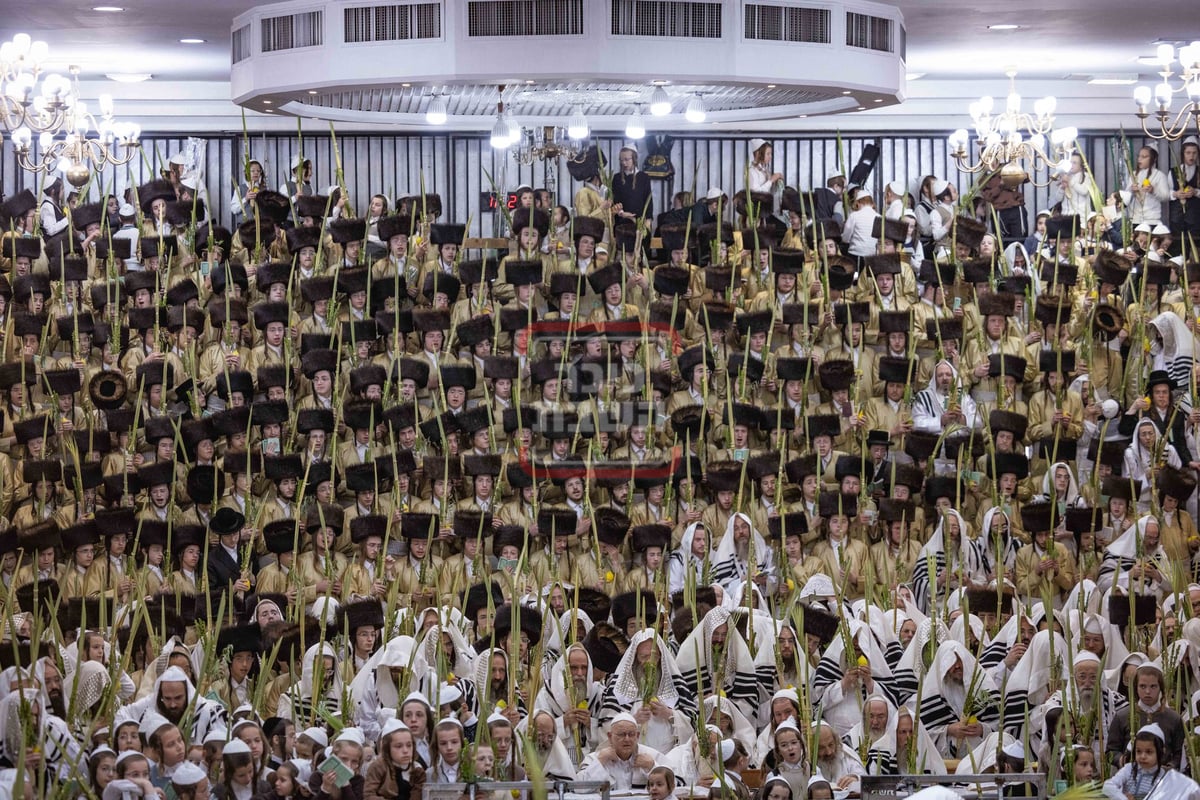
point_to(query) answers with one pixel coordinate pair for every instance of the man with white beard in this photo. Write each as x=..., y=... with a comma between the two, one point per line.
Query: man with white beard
x=889, y=732
x=839, y=764
x=1084, y=696
x=577, y=721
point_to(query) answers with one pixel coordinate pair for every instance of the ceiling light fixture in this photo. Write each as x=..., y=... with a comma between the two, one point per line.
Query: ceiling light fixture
x=1004, y=26
x=1113, y=80
x=313, y=91
x=437, y=113
x=770, y=86
x=577, y=124
x=108, y=9
x=660, y=102
x=128, y=77
x=501, y=134
x=1006, y=139
x=192, y=41
x=634, y=127
x=695, y=112
x=1189, y=65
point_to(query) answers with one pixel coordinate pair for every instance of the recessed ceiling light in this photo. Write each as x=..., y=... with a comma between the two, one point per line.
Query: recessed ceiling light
x=108, y=9
x=267, y=102
x=913, y=76
x=313, y=91
x=770, y=86
x=406, y=85
x=846, y=92
x=1005, y=26
x=268, y=111
x=192, y=41
x=528, y=83
x=129, y=77
x=862, y=108
x=1113, y=80
x=878, y=99
x=804, y=116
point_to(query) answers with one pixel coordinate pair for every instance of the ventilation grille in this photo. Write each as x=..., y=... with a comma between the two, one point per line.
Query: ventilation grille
x=241, y=44
x=872, y=33
x=292, y=31
x=524, y=18
x=393, y=23
x=787, y=24
x=674, y=18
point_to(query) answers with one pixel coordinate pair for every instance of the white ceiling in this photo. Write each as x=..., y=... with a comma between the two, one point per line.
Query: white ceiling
x=1057, y=47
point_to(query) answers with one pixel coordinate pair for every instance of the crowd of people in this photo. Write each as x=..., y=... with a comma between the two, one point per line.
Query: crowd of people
x=756, y=496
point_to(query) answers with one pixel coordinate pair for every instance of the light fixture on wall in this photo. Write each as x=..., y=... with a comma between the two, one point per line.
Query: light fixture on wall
x=1012, y=140
x=437, y=113
x=1189, y=64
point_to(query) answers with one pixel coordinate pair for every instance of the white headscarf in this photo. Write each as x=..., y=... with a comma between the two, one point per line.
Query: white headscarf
x=625, y=685
x=400, y=651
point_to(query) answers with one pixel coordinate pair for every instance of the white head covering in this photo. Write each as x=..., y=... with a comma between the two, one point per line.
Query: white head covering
x=625, y=684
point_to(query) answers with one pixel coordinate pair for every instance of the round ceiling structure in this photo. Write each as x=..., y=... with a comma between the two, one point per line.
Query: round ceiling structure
x=393, y=61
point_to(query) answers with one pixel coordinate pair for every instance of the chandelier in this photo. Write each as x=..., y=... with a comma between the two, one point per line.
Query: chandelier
x=550, y=143
x=1012, y=140
x=1189, y=63
x=74, y=154
x=24, y=103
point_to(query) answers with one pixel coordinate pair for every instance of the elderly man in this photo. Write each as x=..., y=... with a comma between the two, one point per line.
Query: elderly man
x=1084, y=695
x=622, y=762
x=839, y=764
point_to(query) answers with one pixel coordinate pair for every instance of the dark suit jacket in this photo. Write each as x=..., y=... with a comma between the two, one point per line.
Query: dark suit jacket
x=222, y=568
x=1120, y=727
x=1177, y=435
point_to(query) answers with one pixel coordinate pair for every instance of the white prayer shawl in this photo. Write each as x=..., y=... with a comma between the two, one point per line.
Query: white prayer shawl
x=623, y=692
x=911, y=668
x=1121, y=556
x=743, y=731
x=1114, y=645
x=554, y=700
x=730, y=566
x=556, y=763
x=208, y=714
x=737, y=670
x=373, y=688
x=428, y=656
x=882, y=758
x=681, y=561
x=1177, y=355
x=1030, y=681
x=944, y=702
x=930, y=404
x=844, y=762
x=296, y=704
x=971, y=560
x=839, y=710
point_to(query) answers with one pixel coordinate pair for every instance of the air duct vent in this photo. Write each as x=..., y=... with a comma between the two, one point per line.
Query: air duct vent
x=871, y=33
x=295, y=30
x=666, y=18
x=393, y=23
x=787, y=24
x=488, y=18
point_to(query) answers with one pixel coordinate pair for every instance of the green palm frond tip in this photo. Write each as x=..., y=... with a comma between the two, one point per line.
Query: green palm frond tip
x=1082, y=791
x=334, y=723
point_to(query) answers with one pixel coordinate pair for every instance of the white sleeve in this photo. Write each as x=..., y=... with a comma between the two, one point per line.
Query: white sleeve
x=1112, y=786
x=134, y=711
x=1160, y=185
x=128, y=689
x=939, y=229
x=848, y=229
x=50, y=225
x=924, y=220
